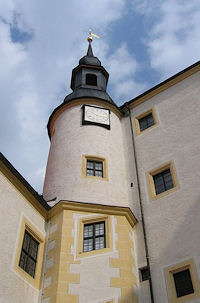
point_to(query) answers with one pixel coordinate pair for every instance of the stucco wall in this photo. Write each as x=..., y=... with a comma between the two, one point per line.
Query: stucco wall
x=13, y=287
x=69, y=143
x=172, y=221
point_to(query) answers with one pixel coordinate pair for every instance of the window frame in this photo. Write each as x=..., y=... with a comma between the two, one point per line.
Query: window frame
x=170, y=271
x=151, y=183
x=143, y=115
x=92, y=158
x=94, y=237
x=36, y=280
x=108, y=235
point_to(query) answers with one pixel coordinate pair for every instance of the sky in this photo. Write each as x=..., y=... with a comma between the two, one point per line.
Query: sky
x=143, y=42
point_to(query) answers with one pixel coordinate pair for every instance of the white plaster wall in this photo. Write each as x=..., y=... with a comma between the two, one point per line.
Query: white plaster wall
x=95, y=272
x=172, y=222
x=70, y=141
x=13, y=288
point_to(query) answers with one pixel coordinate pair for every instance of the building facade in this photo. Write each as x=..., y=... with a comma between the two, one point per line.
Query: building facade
x=118, y=218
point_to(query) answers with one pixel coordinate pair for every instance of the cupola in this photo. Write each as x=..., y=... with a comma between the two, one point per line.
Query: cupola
x=89, y=79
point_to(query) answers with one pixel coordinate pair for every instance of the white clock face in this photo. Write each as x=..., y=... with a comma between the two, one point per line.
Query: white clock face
x=98, y=115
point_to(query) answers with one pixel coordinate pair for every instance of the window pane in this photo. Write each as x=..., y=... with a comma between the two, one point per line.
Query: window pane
x=88, y=245
x=23, y=259
x=98, y=173
x=88, y=231
x=99, y=243
x=99, y=166
x=33, y=249
x=90, y=172
x=183, y=283
x=90, y=164
x=26, y=242
x=99, y=229
x=30, y=267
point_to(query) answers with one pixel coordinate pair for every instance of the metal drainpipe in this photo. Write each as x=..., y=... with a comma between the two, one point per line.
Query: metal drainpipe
x=141, y=206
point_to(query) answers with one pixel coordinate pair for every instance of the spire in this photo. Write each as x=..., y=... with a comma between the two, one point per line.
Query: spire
x=90, y=52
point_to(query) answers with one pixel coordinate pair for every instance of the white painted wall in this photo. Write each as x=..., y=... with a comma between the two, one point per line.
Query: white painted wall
x=172, y=222
x=70, y=141
x=13, y=288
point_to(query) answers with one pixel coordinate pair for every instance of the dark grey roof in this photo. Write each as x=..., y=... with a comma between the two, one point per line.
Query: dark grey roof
x=89, y=59
x=88, y=92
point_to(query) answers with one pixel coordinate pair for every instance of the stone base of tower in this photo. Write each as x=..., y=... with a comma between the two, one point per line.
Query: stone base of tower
x=107, y=274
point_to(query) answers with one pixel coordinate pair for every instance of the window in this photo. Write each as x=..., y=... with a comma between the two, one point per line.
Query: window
x=145, y=121
x=94, y=236
x=29, y=254
x=91, y=79
x=182, y=282
x=162, y=180
x=94, y=168
x=28, y=258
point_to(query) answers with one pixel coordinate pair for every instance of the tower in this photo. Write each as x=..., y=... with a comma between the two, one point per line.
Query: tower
x=90, y=255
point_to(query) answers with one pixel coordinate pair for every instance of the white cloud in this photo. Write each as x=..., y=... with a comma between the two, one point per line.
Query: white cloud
x=35, y=75
x=122, y=67
x=173, y=40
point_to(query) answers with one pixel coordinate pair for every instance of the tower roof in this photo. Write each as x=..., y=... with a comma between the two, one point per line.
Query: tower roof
x=89, y=59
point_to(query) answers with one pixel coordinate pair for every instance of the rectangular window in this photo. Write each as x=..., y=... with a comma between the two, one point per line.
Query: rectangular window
x=28, y=257
x=183, y=283
x=94, y=236
x=163, y=181
x=94, y=168
x=146, y=122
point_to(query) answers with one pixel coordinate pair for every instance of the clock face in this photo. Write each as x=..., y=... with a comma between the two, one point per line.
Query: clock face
x=96, y=115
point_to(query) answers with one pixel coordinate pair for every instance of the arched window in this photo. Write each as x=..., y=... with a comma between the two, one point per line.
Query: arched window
x=91, y=79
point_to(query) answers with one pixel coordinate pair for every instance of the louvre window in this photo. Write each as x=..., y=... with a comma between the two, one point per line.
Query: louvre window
x=94, y=168
x=146, y=122
x=28, y=258
x=94, y=236
x=163, y=181
x=91, y=79
x=183, y=283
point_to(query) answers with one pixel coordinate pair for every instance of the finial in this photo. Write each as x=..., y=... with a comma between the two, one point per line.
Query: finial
x=91, y=35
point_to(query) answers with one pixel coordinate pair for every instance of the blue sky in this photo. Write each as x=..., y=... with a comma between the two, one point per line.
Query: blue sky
x=142, y=43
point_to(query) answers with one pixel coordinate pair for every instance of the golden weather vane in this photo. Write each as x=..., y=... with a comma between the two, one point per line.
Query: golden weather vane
x=91, y=35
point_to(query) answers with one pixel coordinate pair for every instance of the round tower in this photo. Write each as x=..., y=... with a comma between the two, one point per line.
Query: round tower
x=86, y=159
x=90, y=226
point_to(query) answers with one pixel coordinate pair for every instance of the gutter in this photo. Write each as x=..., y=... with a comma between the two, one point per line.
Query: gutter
x=141, y=206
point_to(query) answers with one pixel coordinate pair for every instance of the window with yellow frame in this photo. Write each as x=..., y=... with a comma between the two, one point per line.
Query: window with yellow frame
x=94, y=235
x=29, y=255
x=162, y=181
x=182, y=282
x=94, y=167
x=145, y=121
